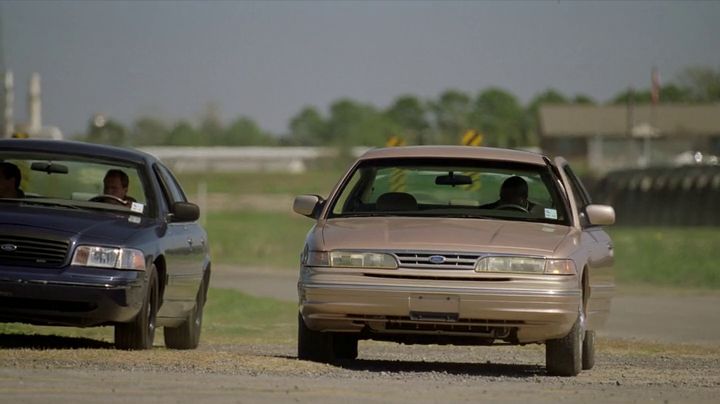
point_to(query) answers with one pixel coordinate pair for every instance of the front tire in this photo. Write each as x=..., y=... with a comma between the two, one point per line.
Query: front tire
x=563, y=355
x=187, y=335
x=313, y=345
x=588, y=350
x=140, y=332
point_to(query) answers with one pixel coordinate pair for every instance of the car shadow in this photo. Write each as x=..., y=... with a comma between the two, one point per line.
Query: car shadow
x=486, y=369
x=15, y=341
x=453, y=368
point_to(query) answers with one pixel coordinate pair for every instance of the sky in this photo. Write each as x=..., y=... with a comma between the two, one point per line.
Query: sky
x=268, y=60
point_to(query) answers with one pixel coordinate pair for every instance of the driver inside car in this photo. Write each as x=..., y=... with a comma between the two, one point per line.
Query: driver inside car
x=513, y=196
x=10, y=178
x=116, y=184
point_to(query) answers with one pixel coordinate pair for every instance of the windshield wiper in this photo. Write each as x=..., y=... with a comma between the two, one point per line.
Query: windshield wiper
x=366, y=214
x=462, y=215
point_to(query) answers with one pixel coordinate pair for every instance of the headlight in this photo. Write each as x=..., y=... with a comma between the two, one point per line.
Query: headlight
x=526, y=265
x=104, y=257
x=351, y=259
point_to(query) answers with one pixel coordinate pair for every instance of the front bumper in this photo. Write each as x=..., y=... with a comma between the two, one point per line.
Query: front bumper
x=516, y=309
x=71, y=296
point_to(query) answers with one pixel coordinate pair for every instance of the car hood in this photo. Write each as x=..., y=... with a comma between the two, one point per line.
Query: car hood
x=443, y=234
x=79, y=224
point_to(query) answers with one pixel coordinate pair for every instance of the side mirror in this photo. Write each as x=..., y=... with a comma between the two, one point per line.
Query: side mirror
x=185, y=212
x=307, y=205
x=600, y=215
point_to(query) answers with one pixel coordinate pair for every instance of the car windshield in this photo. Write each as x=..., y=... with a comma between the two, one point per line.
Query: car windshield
x=451, y=188
x=73, y=182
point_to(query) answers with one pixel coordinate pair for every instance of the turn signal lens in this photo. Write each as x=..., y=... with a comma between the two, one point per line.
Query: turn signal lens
x=560, y=267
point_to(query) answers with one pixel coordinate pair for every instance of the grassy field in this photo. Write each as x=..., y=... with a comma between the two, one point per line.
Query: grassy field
x=310, y=182
x=230, y=317
x=670, y=256
x=257, y=239
x=683, y=257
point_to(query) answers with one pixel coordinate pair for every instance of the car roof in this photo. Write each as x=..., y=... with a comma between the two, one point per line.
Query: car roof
x=460, y=152
x=70, y=148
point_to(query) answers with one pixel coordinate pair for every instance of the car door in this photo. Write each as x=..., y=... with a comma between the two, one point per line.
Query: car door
x=184, y=253
x=600, y=275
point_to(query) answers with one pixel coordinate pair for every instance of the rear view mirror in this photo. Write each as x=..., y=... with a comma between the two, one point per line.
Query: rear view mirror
x=453, y=179
x=50, y=168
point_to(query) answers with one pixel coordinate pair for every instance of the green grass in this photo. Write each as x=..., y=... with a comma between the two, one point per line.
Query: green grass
x=675, y=257
x=671, y=256
x=229, y=317
x=262, y=239
x=681, y=257
x=233, y=316
x=310, y=182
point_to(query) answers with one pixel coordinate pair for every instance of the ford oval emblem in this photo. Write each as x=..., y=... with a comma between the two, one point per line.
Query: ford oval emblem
x=437, y=259
x=8, y=247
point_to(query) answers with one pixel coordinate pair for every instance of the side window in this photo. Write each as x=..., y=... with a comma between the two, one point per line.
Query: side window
x=171, y=188
x=582, y=198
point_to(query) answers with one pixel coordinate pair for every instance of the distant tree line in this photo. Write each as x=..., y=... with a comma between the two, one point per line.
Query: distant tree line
x=494, y=112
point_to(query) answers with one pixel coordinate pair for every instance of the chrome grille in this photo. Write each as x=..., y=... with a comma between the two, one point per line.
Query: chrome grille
x=424, y=260
x=31, y=251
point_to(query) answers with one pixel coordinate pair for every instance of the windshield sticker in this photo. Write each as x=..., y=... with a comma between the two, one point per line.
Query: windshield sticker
x=134, y=219
x=550, y=213
x=139, y=207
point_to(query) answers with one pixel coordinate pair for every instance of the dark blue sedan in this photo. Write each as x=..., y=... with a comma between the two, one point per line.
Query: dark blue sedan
x=95, y=235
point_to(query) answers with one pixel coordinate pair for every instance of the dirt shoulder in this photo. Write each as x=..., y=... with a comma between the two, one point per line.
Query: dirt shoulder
x=629, y=366
x=384, y=372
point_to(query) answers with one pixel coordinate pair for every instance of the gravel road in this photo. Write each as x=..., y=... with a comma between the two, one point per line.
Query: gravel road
x=639, y=360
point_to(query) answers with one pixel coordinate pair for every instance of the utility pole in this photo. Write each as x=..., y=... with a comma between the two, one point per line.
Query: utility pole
x=34, y=105
x=655, y=98
x=7, y=125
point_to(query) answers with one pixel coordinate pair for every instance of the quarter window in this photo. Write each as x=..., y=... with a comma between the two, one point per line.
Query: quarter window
x=170, y=185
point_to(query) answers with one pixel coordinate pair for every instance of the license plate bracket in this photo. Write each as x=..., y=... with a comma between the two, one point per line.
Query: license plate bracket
x=434, y=307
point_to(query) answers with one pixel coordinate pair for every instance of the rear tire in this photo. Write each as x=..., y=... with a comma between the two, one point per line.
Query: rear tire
x=313, y=345
x=563, y=355
x=588, y=350
x=187, y=335
x=140, y=332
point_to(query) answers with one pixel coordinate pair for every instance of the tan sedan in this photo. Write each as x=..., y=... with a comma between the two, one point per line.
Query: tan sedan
x=455, y=245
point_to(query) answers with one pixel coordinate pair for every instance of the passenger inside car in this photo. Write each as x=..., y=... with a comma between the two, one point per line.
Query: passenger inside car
x=10, y=178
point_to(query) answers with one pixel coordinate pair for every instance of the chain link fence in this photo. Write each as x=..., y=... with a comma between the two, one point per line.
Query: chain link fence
x=663, y=196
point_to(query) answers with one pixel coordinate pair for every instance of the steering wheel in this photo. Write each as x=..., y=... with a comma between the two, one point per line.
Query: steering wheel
x=108, y=199
x=512, y=206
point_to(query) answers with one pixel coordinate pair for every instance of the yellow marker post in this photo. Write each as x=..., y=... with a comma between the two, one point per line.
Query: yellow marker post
x=395, y=141
x=397, y=177
x=471, y=137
